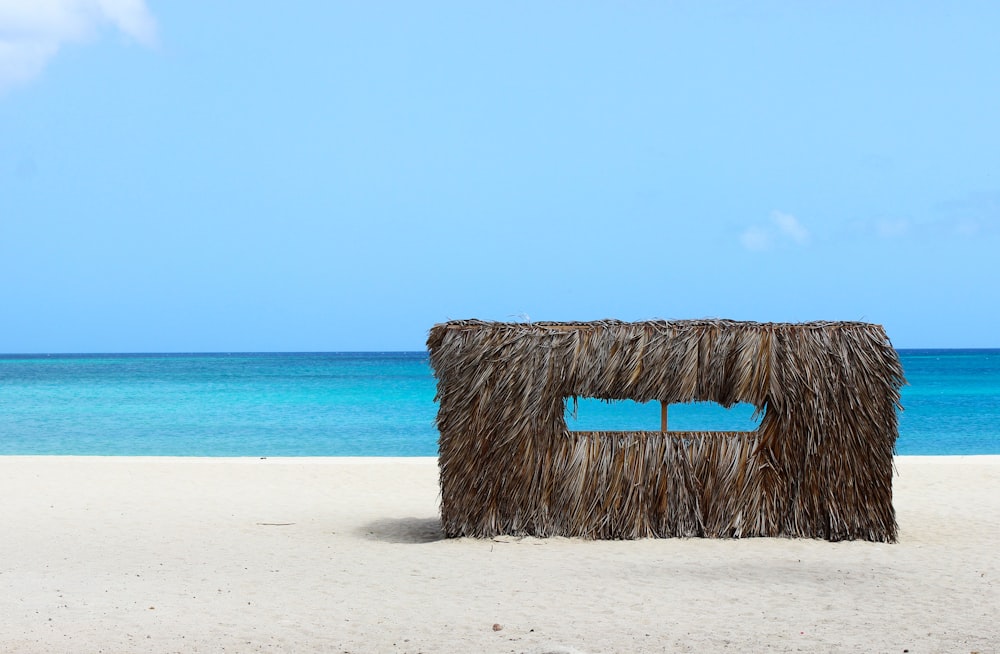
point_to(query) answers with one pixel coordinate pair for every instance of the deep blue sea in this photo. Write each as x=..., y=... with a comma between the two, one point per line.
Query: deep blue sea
x=378, y=404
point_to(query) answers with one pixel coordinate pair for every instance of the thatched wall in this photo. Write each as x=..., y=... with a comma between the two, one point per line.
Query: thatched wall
x=819, y=465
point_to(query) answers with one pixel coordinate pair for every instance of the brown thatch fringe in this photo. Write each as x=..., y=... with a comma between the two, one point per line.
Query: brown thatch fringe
x=819, y=465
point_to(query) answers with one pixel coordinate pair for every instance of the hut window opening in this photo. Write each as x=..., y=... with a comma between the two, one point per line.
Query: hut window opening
x=712, y=416
x=593, y=414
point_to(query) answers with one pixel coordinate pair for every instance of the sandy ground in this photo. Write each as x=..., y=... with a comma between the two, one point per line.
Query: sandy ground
x=341, y=555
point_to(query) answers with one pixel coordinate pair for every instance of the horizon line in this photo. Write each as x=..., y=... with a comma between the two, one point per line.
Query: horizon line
x=344, y=352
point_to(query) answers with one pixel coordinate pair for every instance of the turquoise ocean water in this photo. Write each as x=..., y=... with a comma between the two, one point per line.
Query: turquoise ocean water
x=378, y=404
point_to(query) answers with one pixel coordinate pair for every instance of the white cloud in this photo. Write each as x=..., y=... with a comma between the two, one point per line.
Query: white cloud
x=967, y=227
x=977, y=214
x=755, y=238
x=784, y=227
x=133, y=18
x=790, y=226
x=19, y=62
x=32, y=31
x=892, y=228
x=922, y=229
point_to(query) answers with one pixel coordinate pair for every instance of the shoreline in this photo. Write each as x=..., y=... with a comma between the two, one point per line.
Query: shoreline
x=195, y=554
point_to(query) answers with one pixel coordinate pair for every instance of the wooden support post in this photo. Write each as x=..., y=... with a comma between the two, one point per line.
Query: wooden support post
x=663, y=416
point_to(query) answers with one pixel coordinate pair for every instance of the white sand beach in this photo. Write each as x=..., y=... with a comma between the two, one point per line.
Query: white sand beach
x=102, y=554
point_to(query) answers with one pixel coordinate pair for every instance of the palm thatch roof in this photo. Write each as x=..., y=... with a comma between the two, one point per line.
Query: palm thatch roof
x=819, y=465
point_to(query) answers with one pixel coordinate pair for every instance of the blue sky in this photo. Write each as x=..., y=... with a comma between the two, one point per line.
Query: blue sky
x=314, y=176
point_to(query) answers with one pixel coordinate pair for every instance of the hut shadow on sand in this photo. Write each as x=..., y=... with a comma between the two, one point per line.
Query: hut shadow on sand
x=819, y=465
x=404, y=530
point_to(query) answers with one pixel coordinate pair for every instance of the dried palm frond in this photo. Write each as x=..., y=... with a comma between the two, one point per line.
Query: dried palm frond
x=819, y=465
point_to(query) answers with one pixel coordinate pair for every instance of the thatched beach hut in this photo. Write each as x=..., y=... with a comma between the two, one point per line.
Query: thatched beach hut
x=819, y=465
